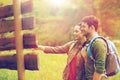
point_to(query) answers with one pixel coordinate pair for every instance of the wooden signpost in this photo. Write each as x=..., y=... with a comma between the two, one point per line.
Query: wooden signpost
x=19, y=41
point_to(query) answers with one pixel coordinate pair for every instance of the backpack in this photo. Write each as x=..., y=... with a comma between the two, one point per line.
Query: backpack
x=112, y=65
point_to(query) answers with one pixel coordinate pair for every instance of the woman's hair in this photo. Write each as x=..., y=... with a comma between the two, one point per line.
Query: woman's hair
x=91, y=20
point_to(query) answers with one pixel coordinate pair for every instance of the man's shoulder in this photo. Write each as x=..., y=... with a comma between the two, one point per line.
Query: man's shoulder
x=98, y=43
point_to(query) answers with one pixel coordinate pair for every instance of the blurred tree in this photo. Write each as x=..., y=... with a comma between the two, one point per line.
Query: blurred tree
x=52, y=21
x=110, y=17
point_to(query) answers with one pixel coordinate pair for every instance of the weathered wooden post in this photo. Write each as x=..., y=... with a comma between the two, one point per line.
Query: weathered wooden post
x=19, y=39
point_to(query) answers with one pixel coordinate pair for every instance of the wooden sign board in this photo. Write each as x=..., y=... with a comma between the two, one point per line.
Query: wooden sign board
x=10, y=61
x=29, y=41
x=8, y=25
x=7, y=11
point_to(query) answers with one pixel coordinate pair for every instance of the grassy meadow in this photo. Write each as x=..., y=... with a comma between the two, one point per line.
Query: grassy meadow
x=51, y=67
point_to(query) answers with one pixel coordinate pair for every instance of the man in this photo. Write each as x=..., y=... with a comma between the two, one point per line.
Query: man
x=94, y=69
x=74, y=69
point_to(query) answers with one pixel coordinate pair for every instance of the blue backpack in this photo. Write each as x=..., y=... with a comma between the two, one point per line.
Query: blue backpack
x=112, y=65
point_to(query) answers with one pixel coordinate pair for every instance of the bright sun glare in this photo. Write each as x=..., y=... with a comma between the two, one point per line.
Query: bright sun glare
x=57, y=2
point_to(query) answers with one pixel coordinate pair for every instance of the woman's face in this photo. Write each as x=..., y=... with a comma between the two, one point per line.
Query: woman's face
x=77, y=33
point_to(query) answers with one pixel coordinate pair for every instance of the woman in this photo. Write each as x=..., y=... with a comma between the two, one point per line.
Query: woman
x=74, y=69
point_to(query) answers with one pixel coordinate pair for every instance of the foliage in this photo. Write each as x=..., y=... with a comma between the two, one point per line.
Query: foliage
x=72, y=12
x=110, y=11
x=63, y=18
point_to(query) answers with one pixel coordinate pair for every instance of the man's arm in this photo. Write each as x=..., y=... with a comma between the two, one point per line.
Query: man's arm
x=99, y=53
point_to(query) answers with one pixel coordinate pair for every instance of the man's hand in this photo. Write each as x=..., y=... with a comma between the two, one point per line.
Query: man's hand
x=97, y=76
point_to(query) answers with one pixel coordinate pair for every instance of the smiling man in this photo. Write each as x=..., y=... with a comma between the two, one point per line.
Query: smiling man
x=94, y=68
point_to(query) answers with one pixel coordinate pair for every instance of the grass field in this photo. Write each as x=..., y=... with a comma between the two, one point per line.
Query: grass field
x=51, y=68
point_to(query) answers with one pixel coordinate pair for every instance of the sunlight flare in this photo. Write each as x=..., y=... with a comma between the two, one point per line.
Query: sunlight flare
x=57, y=2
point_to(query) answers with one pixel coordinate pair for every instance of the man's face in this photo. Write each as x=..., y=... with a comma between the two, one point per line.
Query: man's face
x=85, y=29
x=77, y=33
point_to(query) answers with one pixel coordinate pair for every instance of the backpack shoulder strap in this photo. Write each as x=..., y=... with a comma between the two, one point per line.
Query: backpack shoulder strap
x=90, y=44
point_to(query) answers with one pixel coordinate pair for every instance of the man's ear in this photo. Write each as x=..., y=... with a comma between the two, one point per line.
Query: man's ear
x=92, y=27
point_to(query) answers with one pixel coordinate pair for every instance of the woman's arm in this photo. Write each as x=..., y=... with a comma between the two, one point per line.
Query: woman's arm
x=57, y=49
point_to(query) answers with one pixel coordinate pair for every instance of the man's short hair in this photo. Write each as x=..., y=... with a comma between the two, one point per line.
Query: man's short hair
x=91, y=20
